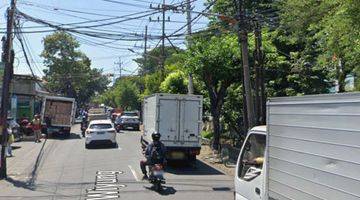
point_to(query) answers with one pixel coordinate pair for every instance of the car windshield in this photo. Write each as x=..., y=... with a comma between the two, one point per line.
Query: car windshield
x=100, y=126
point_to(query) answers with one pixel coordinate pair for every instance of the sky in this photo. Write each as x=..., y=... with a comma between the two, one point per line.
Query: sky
x=103, y=57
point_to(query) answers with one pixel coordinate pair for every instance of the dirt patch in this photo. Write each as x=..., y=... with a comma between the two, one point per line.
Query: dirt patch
x=207, y=155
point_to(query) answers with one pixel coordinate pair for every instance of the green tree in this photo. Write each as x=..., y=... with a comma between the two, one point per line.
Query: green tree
x=127, y=95
x=68, y=69
x=174, y=83
x=326, y=29
x=216, y=61
x=152, y=83
x=151, y=62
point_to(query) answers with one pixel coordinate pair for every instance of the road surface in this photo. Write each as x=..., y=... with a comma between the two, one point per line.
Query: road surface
x=64, y=169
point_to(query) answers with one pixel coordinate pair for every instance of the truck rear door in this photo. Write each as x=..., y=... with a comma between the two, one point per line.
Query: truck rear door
x=190, y=120
x=168, y=119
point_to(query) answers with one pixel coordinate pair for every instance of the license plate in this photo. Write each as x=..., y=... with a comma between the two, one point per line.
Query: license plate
x=177, y=155
x=159, y=173
x=100, y=133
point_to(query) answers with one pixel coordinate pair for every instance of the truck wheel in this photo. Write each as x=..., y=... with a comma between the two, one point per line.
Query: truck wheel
x=67, y=134
x=192, y=159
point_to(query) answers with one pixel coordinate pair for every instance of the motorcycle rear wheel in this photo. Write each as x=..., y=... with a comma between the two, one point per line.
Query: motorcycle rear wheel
x=157, y=186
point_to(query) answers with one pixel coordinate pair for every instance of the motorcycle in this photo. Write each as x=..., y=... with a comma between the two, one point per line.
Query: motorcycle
x=26, y=127
x=157, y=176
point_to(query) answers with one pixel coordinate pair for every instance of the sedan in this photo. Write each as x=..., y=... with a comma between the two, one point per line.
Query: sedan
x=100, y=132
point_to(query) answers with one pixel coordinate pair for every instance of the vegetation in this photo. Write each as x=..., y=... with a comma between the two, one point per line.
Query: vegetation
x=309, y=47
x=68, y=69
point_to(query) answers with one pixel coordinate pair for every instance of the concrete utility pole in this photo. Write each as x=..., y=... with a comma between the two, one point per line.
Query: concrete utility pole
x=8, y=59
x=188, y=19
x=243, y=41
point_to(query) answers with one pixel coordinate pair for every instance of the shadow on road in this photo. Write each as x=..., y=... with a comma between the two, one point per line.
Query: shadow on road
x=73, y=136
x=221, y=189
x=183, y=168
x=30, y=183
x=166, y=190
x=102, y=146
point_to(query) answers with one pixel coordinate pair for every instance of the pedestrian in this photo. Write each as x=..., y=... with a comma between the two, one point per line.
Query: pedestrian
x=36, y=123
x=9, y=142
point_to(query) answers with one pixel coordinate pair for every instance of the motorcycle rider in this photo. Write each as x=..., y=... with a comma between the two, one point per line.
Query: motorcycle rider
x=155, y=154
x=84, y=124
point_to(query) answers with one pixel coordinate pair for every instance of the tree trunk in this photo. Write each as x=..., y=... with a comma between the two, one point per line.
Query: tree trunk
x=216, y=124
x=216, y=103
x=341, y=76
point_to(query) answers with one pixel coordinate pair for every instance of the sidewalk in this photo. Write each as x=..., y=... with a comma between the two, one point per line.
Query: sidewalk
x=22, y=168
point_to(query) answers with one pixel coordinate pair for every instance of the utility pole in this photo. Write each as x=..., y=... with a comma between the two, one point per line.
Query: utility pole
x=163, y=7
x=145, y=45
x=119, y=63
x=243, y=41
x=260, y=80
x=8, y=59
x=257, y=73
x=188, y=19
x=163, y=38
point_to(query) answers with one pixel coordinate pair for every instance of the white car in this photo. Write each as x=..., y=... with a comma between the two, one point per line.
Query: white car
x=100, y=132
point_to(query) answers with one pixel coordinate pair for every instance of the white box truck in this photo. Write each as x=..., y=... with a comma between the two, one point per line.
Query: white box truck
x=178, y=118
x=58, y=114
x=309, y=150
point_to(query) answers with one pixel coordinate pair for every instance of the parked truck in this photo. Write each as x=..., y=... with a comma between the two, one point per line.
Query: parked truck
x=178, y=118
x=97, y=114
x=58, y=114
x=309, y=150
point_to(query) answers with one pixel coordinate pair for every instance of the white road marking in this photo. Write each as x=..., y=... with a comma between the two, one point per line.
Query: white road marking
x=134, y=173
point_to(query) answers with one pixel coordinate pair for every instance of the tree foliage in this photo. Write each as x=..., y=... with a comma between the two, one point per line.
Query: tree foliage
x=326, y=30
x=151, y=62
x=124, y=94
x=216, y=62
x=174, y=83
x=68, y=69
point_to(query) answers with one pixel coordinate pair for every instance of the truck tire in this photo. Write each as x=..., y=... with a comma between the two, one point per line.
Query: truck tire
x=67, y=134
x=192, y=158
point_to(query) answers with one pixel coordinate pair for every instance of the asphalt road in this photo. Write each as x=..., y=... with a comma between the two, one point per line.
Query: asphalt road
x=64, y=169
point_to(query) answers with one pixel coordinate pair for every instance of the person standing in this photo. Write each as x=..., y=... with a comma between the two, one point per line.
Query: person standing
x=37, y=128
x=9, y=142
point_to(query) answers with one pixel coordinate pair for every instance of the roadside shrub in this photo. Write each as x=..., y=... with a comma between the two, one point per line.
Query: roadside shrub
x=207, y=134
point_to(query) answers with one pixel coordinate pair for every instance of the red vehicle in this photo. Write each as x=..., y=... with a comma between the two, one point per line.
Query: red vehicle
x=26, y=127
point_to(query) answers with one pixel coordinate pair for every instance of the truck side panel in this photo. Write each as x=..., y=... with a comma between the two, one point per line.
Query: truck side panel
x=169, y=117
x=149, y=117
x=313, y=148
x=191, y=114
